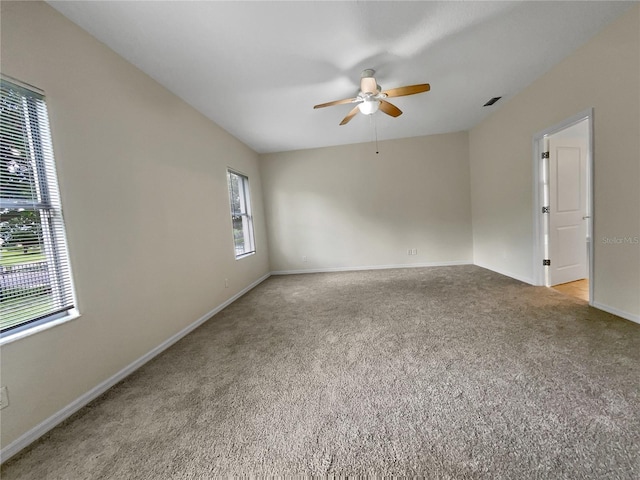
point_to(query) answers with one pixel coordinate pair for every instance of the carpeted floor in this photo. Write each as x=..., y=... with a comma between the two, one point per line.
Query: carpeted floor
x=448, y=372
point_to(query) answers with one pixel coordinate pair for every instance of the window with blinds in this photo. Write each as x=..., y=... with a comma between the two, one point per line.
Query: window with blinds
x=35, y=283
x=241, y=218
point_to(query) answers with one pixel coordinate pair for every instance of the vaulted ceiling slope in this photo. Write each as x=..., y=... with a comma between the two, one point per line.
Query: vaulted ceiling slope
x=257, y=68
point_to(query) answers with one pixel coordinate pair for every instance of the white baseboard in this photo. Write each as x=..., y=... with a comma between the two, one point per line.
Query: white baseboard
x=370, y=267
x=507, y=274
x=58, y=417
x=615, y=311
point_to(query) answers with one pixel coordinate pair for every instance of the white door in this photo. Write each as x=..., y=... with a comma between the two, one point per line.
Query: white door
x=568, y=207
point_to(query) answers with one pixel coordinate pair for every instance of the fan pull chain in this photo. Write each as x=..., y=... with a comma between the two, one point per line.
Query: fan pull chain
x=375, y=130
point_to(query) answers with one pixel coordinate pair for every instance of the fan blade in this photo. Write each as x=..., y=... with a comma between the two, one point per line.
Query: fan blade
x=336, y=102
x=349, y=116
x=390, y=109
x=368, y=85
x=409, y=90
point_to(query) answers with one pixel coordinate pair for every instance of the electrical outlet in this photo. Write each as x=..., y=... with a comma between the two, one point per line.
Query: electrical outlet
x=409, y=252
x=304, y=259
x=4, y=398
x=226, y=283
x=414, y=251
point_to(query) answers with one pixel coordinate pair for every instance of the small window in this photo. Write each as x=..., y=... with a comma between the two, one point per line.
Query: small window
x=241, y=218
x=35, y=281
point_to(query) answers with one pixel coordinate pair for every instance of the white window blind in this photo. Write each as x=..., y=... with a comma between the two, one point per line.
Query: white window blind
x=35, y=283
x=241, y=218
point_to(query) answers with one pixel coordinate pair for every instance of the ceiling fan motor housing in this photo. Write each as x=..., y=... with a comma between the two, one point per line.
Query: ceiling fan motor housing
x=368, y=83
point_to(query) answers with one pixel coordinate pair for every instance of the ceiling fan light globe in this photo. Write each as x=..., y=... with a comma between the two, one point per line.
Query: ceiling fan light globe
x=369, y=107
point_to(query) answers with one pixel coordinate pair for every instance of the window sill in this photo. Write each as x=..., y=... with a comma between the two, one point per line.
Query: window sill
x=13, y=337
x=245, y=255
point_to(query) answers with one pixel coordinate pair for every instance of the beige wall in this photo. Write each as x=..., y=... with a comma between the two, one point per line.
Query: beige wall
x=347, y=206
x=604, y=74
x=143, y=186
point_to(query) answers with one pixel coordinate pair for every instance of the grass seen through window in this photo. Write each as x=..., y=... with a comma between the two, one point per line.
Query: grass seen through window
x=24, y=285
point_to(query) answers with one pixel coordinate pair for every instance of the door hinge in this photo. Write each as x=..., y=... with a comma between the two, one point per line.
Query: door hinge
x=546, y=209
x=545, y=154
x=546, y=262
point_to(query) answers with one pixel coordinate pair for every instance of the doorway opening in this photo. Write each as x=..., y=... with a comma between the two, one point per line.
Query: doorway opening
x=563, y=203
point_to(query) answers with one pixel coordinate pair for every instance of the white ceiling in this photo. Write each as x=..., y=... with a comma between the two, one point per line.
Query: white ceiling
x=257, y=68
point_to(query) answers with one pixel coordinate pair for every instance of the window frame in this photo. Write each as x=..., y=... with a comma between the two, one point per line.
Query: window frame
x=245, y=213
x=47, y=204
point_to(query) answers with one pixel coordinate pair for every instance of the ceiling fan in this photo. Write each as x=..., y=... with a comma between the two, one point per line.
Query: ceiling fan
x=371, y=97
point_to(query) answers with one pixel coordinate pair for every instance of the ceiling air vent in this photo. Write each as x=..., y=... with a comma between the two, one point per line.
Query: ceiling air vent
x=492, y=101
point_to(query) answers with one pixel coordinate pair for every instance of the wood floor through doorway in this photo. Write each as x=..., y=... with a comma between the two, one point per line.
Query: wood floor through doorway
x=578, y=289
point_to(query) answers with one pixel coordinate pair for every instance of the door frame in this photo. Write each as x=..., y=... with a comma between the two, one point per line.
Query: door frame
x=540, y=220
